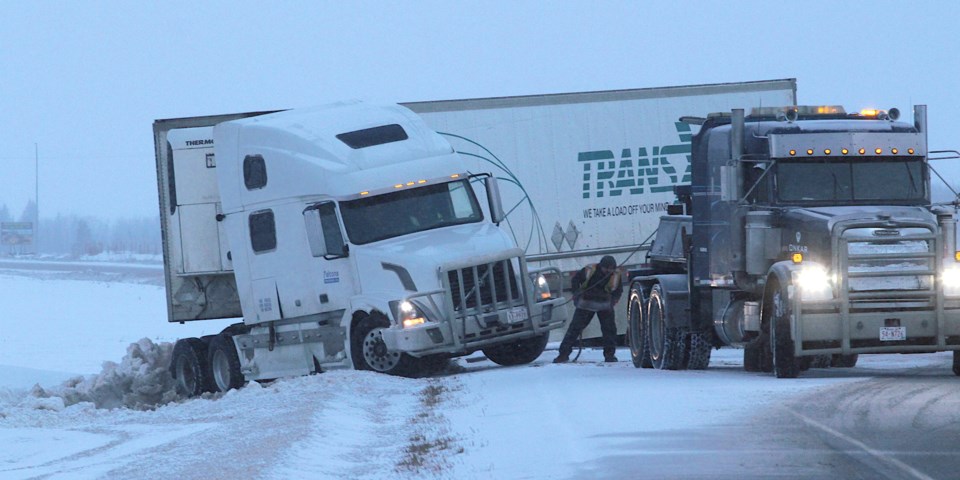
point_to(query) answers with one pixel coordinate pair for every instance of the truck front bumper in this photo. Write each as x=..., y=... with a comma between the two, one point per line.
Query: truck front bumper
x=827, y=328
x=464, y=335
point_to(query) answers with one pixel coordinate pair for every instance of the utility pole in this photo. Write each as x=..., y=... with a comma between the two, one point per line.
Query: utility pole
x=36, y=198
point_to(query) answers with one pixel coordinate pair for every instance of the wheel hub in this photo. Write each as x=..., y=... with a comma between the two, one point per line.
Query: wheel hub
x=376, y=353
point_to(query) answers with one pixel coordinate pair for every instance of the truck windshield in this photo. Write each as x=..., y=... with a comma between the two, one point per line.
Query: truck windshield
x=370, y=219
x=883, y=180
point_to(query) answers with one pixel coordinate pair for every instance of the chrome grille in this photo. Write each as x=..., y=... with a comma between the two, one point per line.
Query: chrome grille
x=886, y=263
x=485, y=285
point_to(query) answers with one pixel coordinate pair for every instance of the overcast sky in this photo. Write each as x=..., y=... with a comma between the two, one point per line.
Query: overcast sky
x=85, y=80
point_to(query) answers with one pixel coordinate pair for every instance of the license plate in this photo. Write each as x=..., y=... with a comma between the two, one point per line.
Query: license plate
x=517, y=314
x=892, y=334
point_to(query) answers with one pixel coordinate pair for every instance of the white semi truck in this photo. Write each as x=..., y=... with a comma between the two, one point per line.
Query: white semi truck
x=589, y=174
x=344, y=235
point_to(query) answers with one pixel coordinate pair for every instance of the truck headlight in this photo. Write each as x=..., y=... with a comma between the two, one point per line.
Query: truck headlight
x=815, y=283
x=410, y=315
x=541, y=288
x=950, y=280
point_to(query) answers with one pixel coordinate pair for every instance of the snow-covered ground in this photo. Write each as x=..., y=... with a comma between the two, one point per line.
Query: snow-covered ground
x=477, y=421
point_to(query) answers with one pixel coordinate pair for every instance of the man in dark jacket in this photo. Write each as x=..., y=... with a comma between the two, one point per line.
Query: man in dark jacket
x=596, y=289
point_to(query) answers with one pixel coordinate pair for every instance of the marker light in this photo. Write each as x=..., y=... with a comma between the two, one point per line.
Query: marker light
x=455, y=175
x=809, y=151
x=364, y=193
x=797, y=257
x=410, y=183
x=826, y=151
x=399, y=185
x=793, y=152
x=894, y=151
x=878, y=151
x=421, y=181
x=869, y=112
x=956, y=256
x=844, y=151
x=862, y=151
x=910, y=151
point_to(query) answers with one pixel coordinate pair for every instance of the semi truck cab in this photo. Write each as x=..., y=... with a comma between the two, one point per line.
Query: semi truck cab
x=345, y=235
x=808, y=233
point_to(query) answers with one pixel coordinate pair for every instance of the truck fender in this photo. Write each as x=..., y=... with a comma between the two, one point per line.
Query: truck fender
x=676, y=293
x=780, y=273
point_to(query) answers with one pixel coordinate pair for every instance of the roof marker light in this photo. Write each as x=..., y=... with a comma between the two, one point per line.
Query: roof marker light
x=364, y=193
x=399, y=185
x=455, y=175
x=793, y=152
x=809, y=151
x=421, y=181
x=827, y=151
x=410, y=183
x=894, y=151
x=878, y=151
x=910, y=151
x=844, y=151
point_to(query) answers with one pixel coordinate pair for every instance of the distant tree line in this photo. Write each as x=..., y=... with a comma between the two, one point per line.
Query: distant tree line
x=76, y=236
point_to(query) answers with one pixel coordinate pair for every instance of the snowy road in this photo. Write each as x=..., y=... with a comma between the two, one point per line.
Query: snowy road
x=891, y=417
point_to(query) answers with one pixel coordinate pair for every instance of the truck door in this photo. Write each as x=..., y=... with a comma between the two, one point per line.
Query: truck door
x=334, y=279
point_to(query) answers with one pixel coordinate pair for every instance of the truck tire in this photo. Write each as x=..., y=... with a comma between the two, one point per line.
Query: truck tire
x=821, y=361
x=636, y=331
x=701, y=345
x=846, y=361
x=956, y=362
x=517, y=352
x=785, y=363
x=667, y=344
x=189, y=369
x=369, y=352
x=224, y=361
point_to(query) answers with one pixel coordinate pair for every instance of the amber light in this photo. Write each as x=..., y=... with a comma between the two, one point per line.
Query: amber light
x=910, y=151
x=878, y=151
x=797, y=257
x=862, y=151
x=894, y=151
x=844, y=151
x=793, y=152
x=956, y=256
x=827, y=151
x=809, y=151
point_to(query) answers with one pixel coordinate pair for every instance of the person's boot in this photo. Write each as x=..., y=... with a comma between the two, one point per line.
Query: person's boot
x=562, y=358
x=610, y=358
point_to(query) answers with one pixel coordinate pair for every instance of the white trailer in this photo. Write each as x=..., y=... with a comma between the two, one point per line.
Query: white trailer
x=344, y=235
x=589, y=174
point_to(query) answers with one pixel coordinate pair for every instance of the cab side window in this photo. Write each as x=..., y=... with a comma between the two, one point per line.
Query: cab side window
x=263, y=231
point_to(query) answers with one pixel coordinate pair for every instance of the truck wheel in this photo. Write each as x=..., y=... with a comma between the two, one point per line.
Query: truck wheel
x=369, y=352
x=850, y=361
x=785, y=363
x=224, y=364
x=701, y=345
x=637, y=331
x=821, y=361
x=667, y=344
x=517, y=352
x=189, y=367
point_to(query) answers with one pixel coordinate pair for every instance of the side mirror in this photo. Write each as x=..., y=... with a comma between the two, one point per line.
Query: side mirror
x=323, y=231
x=497, y=214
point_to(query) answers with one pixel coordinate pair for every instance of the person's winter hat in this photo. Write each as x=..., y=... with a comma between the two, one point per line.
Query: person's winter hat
x=608, y=262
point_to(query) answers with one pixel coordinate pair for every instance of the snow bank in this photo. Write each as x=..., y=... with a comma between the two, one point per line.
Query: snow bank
x=140, y=381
